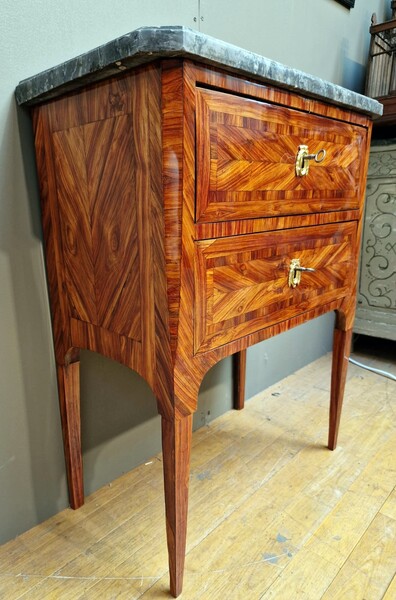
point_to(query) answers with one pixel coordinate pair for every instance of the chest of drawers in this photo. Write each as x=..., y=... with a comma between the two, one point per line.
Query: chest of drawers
x=183, y=224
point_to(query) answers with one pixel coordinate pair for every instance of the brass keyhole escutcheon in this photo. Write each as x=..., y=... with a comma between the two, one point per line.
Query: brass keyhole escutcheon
x=303, y=157
x=295, y=270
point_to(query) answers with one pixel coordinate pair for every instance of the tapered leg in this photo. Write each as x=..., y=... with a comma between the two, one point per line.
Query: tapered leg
x=341, y=351
x=69, y=399
x=176, y=447
x=239, y=376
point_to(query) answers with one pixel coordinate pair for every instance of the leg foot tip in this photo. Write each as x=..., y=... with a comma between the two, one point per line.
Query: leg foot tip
x=76, y=503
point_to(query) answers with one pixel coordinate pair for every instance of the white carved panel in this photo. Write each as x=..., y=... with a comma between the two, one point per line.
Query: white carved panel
x=376, y=311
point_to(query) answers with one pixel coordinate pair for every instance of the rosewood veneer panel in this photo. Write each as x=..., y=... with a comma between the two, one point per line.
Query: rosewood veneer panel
x=245, y=280
x=247, y=153
x=171, y=214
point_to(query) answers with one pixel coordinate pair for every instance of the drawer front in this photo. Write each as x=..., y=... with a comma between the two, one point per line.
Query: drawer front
x=246, y=156
x=242, y=283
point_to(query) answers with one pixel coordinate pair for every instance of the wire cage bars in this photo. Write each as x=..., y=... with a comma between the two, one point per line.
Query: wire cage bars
x=381, y=68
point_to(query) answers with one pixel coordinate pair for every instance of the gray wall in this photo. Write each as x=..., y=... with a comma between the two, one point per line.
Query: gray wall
x=120, y=426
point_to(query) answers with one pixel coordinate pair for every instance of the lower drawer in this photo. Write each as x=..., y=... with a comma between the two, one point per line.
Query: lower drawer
x=242, y=282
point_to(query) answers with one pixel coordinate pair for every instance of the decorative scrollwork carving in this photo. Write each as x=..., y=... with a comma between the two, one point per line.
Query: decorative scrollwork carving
x=382, y=164
x=378, y=274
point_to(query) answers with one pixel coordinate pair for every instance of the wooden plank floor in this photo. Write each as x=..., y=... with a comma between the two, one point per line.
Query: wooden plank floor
x=273, y=513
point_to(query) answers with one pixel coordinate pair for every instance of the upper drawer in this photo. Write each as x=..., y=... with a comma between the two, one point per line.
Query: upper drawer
x=246, y=156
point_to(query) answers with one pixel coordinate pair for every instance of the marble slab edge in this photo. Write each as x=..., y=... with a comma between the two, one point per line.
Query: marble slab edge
x=150, y=43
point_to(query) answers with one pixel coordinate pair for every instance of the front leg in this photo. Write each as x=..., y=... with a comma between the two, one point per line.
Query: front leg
x=176, y=447
x=341, y=351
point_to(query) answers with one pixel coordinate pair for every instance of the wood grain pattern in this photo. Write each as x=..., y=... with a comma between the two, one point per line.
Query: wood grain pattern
x=162, y=373
x=242, y=227
x=108, y=343
x=98, y=220
x=368, y=570
x=242, y=283
x=341, y=351
x=126, y=168
x=52, y=235
x=212, y=77
x=246, y=160
x=176, y=444
x=69, y=400
x=172, y=88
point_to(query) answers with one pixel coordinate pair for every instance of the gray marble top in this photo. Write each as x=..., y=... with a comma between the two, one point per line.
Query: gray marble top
x=148, y=43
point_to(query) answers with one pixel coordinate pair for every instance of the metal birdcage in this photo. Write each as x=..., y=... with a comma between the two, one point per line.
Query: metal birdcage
x=381, y=79
x=381, y=68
